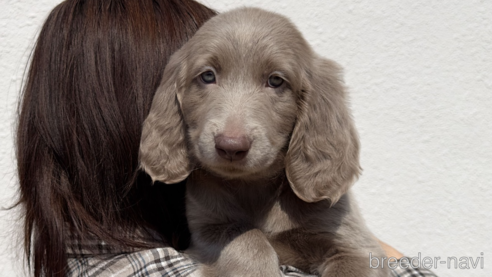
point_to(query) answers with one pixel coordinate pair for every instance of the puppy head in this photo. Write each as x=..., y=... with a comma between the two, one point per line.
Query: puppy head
x=247, y=97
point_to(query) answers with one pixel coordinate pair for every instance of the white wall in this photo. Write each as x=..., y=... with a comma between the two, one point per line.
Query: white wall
x=420, y=75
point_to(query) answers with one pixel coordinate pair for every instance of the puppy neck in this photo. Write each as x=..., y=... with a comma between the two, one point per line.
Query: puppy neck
x=203, y=177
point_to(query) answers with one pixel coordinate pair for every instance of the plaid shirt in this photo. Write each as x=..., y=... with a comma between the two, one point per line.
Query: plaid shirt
x=98, y=259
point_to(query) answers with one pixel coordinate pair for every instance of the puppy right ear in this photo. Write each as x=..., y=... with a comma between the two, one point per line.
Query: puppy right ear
x=323, y=157
x=163, y=152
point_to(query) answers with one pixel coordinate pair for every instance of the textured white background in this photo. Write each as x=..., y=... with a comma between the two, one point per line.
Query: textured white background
x=420, y=75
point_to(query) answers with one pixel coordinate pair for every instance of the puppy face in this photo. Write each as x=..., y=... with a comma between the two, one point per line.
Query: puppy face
x=246, y=97
x=239, y=98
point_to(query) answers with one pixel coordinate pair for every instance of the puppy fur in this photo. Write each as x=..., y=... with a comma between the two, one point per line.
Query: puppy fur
x=286, y=200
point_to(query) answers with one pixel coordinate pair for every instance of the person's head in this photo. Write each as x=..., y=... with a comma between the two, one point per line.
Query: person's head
x=92, y=77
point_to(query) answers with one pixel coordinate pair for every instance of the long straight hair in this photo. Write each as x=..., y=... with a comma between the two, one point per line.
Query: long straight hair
x=92, y=77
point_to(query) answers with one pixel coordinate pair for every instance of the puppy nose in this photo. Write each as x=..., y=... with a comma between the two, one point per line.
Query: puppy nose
x=232, y=148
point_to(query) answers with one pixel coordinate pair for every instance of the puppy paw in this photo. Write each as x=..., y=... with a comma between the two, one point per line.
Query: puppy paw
x=350, y=266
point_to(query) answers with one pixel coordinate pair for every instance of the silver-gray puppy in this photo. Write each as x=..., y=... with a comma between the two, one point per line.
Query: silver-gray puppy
x=260, y=126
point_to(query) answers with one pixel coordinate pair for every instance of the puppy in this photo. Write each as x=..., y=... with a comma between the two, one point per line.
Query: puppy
x=260, y=126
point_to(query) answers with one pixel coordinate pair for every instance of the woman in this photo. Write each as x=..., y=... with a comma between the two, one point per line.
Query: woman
x=88, y=209
x=91, y=80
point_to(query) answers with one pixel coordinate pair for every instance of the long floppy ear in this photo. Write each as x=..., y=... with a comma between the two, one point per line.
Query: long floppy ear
x=323, y=157
x=163, y=152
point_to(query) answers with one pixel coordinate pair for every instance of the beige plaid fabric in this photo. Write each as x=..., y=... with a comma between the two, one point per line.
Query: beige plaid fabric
x=98, y=259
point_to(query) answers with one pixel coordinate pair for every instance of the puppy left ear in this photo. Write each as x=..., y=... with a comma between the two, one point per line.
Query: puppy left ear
x=322, y=161
x=163, y=152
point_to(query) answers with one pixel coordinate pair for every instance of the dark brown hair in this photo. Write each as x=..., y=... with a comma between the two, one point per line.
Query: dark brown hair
x=92, y=77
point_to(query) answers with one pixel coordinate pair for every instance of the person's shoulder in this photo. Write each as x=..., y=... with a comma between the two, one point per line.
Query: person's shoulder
x=149, y=263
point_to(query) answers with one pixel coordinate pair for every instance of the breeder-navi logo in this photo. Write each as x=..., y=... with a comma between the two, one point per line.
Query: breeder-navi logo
x=427, y=262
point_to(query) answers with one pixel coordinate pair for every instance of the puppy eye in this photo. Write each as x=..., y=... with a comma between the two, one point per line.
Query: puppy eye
x=208, y=77
x=275, y=81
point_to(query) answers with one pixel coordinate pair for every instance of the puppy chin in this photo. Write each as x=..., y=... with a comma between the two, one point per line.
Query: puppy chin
x=242, y=169
x=231, y=172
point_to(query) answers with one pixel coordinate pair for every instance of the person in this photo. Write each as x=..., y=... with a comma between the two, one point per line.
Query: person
x=92, y=77
x=88, y=209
